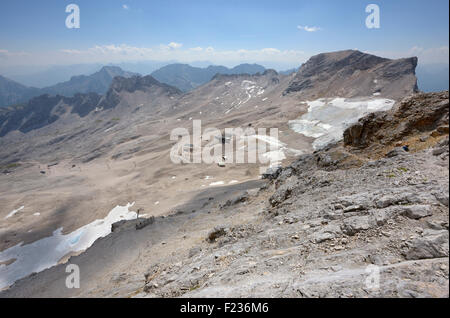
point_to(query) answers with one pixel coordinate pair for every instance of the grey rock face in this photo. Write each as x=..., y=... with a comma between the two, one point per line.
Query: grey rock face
x=417, y=211
x=433, y=244
x=327, y=233
x=396, y=152
x=407, y=117
x=272, y=173
x=353, y=73
x=145, y=222
x=355, y=224
x=442, y=197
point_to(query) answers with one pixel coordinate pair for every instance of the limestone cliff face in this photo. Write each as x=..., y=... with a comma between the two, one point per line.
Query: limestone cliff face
x=414, y=115
x=354, y=74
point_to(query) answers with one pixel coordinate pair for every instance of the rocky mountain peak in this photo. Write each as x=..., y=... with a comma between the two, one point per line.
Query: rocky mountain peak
x=132, y=84
x=111, y=70
x=270, y=72
x=353, y=73
x=136, y=83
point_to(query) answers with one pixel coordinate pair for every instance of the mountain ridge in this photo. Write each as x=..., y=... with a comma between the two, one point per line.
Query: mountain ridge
x=45, y=109
x=97, y=82
x=352, y=73
x=337, y=74
x=187, y=77
x=12, y=92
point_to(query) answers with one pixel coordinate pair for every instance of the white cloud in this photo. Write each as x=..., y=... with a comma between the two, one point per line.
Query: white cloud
x=70, y=51
x=9, y=54
x=174, y=45
x=113, y=53
x=271, y=51
x=126, y=7
x=308, y=29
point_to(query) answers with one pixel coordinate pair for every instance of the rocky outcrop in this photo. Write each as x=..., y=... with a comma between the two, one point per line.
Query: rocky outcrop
x=354, y=74
x=420, y=114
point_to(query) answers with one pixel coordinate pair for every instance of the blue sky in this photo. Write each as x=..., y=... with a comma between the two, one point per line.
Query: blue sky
x=221, y=31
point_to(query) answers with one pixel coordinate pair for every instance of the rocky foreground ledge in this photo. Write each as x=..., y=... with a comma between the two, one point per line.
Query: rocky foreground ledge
x=367, y=217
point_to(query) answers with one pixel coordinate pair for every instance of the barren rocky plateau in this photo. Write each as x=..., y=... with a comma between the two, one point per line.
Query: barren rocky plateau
x=376, y=202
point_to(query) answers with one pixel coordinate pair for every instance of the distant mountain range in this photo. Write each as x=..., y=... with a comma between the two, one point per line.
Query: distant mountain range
x=45, y=109
x=187, y=78
x=14, y=93
x=181, y=76
x=98, y=82
x=345, y=73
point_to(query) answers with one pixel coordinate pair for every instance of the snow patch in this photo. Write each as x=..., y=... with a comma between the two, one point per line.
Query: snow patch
x=216, y=183
x=46, y=253
x=276, y=150
x=327, y=119
x=275, y=157
x=14, y=212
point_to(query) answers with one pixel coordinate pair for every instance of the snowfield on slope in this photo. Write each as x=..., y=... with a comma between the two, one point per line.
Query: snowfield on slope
x=327, y=119
x=47, y=252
